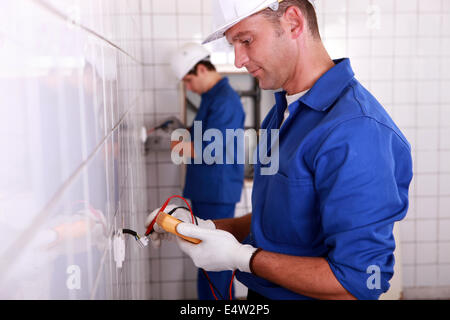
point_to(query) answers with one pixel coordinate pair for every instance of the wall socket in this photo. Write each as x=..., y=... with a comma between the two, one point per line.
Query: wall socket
x=119, y=248
x=157, y=143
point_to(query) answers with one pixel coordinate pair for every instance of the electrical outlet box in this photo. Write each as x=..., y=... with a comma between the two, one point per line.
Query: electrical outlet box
x=143, y=134
x=157, y=143
x=119, y=248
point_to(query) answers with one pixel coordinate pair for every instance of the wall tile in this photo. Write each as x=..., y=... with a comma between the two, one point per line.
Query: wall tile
x=166, y=6
x=192, y=6
x=444, y=253
x=164, y=27
x=167, y=101
x=427, y=207
x=408, y=253
x=169, y=175
x=444, y=184
x=426, y=230
x=429, y=24
x=163, y=50
x=409, y=276
x=428, y=116
x=427, y=139
x=426, y=162
x=406, y=5
x=172, y=269
x=172, y=290
x=426, y=253
x=444, y=230
x=147, y=27
x=427, y=184
x=189, y=27
x=445, y=24
x=405, y=46
x=408, y=230
x=356, y=6
x=164, y=78
x=444, y=141
x=444, y=207
x=426, y=275
x=404, y=23
x=444, y=275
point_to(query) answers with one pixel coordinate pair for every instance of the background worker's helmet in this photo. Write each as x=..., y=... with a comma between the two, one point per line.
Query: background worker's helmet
x=227, y=13
x=186, y=58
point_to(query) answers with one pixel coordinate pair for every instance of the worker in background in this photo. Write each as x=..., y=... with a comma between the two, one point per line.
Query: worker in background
x=214, y=189
x=322, y=227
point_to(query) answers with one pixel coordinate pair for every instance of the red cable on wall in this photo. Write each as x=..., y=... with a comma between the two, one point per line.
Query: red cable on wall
x=150, y=229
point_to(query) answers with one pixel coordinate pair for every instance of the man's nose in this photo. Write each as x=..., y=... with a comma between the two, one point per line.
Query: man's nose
x=240, y=57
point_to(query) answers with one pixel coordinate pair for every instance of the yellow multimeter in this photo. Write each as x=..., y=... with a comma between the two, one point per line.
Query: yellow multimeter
x=169, y=224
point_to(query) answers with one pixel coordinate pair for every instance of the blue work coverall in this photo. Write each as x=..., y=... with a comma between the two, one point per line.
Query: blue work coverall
x=344, y=174
x=214, y=189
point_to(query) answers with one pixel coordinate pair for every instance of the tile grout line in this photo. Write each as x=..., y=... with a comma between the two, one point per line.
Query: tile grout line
x=12, y=252
x=63, y=16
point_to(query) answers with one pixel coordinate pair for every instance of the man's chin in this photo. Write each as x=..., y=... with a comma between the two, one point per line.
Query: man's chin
x=264, y=85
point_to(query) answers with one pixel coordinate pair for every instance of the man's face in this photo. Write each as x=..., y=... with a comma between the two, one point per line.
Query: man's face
x=194, y=83
x=263, y=50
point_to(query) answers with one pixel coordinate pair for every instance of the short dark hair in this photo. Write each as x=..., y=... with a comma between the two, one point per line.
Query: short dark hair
x=305, y=7
x=208, y=65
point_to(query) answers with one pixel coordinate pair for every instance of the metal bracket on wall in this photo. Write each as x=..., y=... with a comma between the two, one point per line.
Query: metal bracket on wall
x=156, y=143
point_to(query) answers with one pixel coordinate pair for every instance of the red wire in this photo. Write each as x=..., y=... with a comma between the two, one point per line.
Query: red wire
x=210, y=284
x=231, y=284
x=150, y=228
x=187, y=203
x=151, y=225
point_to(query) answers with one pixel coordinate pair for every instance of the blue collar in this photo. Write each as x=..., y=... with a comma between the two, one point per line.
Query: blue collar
x=326, y=90
x=216, y=89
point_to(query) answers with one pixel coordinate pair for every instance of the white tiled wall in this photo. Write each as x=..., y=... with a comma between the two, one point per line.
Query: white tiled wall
x=72, y=169
x=79, y=78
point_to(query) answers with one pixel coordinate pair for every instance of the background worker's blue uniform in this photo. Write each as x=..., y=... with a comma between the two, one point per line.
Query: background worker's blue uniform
x=215, y=189
x=344, y=174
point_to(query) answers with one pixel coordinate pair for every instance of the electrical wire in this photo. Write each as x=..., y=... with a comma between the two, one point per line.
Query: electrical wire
x=137, y=237
x=212, y=287
x=194, y=221
x=128, y=231
x=231, y=284
x=162, y=126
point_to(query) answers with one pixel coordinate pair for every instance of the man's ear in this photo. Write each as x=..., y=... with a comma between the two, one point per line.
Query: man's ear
x=295, y=21
x=201, y=69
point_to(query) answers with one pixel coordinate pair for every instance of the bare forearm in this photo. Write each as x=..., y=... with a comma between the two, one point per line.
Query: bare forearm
x=187, y=147
x=308, y=276
x=238, y=227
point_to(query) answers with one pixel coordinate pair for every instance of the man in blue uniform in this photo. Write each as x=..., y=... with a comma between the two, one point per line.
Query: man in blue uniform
x=322, y=226
x=214, y=189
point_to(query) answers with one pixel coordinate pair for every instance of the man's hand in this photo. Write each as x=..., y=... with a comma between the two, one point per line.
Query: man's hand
x=181, y=214
x=218, y=251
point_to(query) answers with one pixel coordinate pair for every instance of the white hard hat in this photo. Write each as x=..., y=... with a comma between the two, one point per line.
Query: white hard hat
x=227, y=13
x=186, y=58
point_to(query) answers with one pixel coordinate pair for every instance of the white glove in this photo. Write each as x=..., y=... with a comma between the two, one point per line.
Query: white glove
x=181, y=214
x=218, y=251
